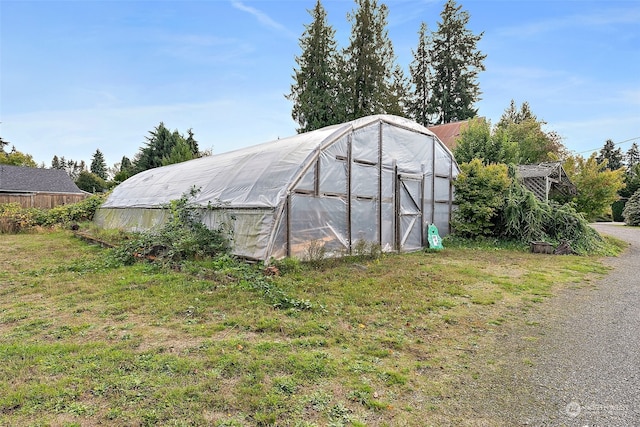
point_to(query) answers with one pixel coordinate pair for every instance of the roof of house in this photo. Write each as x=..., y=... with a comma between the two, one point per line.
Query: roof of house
x=449, y=132
x=35, y=180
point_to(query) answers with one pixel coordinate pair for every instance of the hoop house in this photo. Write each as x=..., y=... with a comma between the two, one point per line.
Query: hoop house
x=379, y=179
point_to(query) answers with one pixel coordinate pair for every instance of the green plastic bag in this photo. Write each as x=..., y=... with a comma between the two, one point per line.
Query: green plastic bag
x=435, y=241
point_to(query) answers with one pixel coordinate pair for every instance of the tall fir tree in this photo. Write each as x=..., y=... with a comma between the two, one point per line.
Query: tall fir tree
x=192, y=143
x=98, y=165
x=181, y=152
x=399, y=94
x=124, y=170
x=125, y=163
x=513, y=115
x=613, y=156
x=315, y=89
x=55, y=163
x=633, y=157
x=159, y=144
x=456, y=63
x=421, y=79
x=369, y=61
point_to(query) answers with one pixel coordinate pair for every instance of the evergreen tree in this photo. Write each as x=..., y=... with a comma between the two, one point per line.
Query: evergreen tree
x=456, y=64
x=613, y=156
x=125, y=170
x=633, y=157
x=192, y=143
x=400, y=94
x=421, y=79
x=159, y=144
x=72, y=167
x=125, y=163
x=55, y=163
x=631, y=211
x=514, y=116
x=181, y=152
x=315, y=88
x=98, y=165
x=369, y=61
x=3, y=144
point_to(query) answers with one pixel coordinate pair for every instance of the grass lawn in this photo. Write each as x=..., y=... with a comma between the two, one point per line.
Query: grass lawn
x=395, y=341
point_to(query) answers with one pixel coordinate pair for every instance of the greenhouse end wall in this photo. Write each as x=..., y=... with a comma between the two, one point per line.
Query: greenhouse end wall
x=380, y=184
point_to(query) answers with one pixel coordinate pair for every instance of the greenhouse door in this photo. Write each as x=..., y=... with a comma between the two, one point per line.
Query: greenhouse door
x=409, y=212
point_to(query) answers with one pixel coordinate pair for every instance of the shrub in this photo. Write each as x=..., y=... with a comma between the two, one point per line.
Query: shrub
x=523, y=216
x=65, y=214
x=183, y=237
x=520, y=217
x=631, y=211
x=617, y=208
x=13, y=218
x=480, y=197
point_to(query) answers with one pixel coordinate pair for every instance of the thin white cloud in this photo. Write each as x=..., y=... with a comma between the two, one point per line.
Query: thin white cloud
x=264, y=19
x=599, y=19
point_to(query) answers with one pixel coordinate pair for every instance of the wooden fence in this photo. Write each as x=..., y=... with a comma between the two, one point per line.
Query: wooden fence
x=41, y=200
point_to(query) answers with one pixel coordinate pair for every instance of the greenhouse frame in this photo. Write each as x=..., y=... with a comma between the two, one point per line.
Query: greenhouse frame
x=380, y=180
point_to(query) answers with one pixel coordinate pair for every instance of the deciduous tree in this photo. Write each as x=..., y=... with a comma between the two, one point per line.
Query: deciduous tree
x=479, y=141
x=90, y=182
x=17, y=158
x=535, y=145
x=597, y=185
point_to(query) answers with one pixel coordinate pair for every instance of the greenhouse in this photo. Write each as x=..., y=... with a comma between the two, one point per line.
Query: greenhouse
x=379, y=180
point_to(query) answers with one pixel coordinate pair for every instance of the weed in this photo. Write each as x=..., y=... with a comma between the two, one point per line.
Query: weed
x=364, y=249
x=315, y=253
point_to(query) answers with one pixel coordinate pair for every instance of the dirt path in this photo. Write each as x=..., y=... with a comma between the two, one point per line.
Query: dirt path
x=580, y=364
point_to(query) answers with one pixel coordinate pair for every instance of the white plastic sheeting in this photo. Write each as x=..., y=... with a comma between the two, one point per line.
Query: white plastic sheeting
x=379, y=179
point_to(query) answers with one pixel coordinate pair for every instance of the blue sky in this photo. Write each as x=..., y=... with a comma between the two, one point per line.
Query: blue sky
x=76, y=76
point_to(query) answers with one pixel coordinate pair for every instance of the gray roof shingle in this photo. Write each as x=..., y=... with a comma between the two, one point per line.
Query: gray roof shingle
x=35, y=180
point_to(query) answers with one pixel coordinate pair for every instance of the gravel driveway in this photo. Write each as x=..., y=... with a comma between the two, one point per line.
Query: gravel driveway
x=585, y=364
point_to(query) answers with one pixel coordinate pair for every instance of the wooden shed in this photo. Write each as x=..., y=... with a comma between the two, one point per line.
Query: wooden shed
x=546, y=180
x=38, y=187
